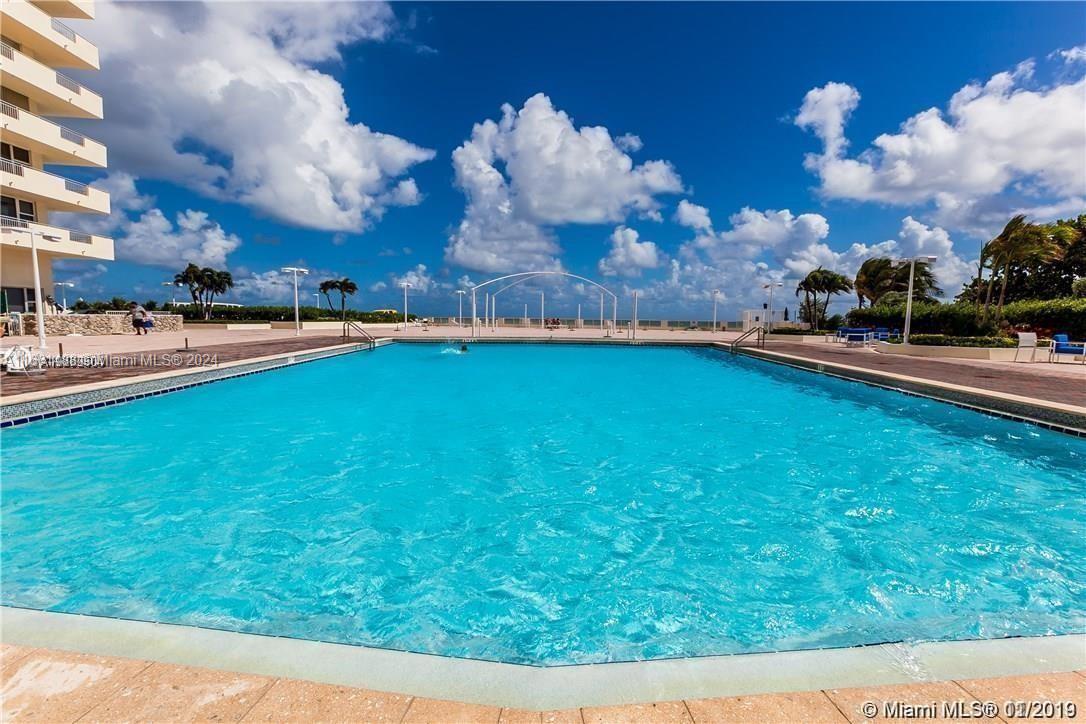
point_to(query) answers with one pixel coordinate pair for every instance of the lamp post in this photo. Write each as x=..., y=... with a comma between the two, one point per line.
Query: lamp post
x=39, y=314
x=633, y=324
x=460, y=319
x=318, y=296
x=909, y=299
x=770, y=286
x=716, y=293
x=173, y=295
x=63, y=294
x=542, y=316
x=295, y=270
x=406, y=286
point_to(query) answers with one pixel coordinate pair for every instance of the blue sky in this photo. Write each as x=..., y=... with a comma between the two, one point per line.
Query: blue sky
x=265, y=175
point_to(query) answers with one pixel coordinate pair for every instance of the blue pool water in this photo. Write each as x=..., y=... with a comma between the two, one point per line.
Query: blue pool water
x=550, y=504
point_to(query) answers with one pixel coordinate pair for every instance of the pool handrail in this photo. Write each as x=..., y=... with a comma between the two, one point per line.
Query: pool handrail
x=348, y=326
x=759, y=330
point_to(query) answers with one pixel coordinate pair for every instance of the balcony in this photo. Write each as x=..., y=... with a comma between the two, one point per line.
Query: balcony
x=52, y=92
x=49, y=141
x=55, y=240
x=82, y=9
x=48, y=39
x=53, y=192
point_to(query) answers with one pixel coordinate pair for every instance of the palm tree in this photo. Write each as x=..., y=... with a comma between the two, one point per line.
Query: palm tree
x=873, y=279
x=327, y=287
x=346, y=287
x=820, y=281
x=191, y=277
x=1020, y=243
x=925, y=288
x=831, y=283
x=214, y=282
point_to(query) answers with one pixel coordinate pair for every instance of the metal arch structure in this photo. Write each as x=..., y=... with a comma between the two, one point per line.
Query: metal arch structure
x=525, y=276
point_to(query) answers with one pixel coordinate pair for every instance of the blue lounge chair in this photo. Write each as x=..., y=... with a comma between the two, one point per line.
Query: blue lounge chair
x=1061, y=344
x=882, y=334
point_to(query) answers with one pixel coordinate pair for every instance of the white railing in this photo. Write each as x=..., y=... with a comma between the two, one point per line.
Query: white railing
x=14, y=111
x=10, y=222
x=18, y=168
x=63, y=29
x=75, y=87
x=8, y=166
x=66, y=82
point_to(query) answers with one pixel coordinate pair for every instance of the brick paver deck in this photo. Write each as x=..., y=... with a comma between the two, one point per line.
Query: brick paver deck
x=1064, y=383
x=55, y=686
x=55, y=378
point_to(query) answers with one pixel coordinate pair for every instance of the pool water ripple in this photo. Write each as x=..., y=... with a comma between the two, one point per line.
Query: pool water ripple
x=550, y=505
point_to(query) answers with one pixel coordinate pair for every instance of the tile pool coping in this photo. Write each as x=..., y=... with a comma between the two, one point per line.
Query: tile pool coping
x=34, y=406
x=543, y=688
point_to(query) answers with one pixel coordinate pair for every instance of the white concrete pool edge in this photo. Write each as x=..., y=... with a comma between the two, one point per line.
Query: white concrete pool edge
x=542, y=688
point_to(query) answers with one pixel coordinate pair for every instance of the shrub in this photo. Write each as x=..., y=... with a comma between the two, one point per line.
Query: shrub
x=1078, y=288
x=1067, y=315
x=283, y=314
x=942, y=340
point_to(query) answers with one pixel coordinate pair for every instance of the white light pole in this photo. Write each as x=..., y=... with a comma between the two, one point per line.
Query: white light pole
x=460, y=293
x=716, y=293
x=318, y=296
x=63, y=294
x=173, y=295
x=602, y=330
x=406, y=286
x=542, y=316
x=295, y=270
x=633, y=324
x=770, y=287
x=39, y=314
x=909, y=300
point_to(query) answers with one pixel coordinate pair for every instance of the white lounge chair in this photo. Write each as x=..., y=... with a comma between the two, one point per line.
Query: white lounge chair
x=1027, y=340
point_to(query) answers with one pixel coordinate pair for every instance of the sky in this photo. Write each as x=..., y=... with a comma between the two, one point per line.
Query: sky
x=671, y=149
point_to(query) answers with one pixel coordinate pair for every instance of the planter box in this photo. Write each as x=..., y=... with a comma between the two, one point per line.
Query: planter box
x=992, y=354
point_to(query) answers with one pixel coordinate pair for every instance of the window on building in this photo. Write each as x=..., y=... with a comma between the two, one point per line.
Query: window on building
x=16, y=99
x=16, y=298
x=14, y=153
x=17, y=208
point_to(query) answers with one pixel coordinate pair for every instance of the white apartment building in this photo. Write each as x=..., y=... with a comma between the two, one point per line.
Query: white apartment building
x=36, y=97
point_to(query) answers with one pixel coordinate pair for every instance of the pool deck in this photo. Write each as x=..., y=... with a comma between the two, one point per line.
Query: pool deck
x=51, y=685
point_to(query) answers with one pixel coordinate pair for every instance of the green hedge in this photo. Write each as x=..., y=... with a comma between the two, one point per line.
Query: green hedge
x=1046, y=317
x=942, y=340
x=283, y=314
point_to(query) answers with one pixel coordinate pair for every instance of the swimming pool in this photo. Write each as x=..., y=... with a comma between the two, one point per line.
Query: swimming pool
x=550, y=505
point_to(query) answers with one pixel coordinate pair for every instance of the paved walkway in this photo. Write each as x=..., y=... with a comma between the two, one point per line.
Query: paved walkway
x=55, y=686
x=1064, y=383
x=131, y=363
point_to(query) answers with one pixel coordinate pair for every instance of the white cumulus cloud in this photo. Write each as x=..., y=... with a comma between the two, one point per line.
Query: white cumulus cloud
x=998, y=145
x=628, y=256
x=534, y=170
x=225, y=98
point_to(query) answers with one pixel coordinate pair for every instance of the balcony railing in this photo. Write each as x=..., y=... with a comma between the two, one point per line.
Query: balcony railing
x=66, y=82
x=9, y=52
x=19, y=169
x=63, y=29
x=10, y=222
x=67, y=134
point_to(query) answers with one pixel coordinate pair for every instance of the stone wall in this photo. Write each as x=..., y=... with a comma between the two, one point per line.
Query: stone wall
x=58, y=325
